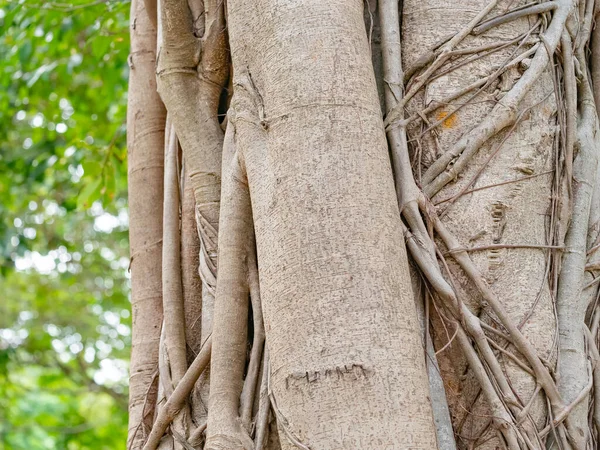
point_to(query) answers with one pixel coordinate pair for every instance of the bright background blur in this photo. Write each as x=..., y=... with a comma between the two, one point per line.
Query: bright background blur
x=65, y=324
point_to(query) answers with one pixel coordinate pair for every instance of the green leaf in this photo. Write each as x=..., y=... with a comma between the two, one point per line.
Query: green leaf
x=100, y=46
x=25, y=52
x=110, y=180
x=91, y=168
x=89, y=193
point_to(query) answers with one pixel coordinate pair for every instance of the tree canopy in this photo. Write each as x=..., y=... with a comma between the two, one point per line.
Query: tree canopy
x=64, y=284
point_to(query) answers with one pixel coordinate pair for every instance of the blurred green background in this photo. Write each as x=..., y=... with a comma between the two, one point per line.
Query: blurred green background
x=64, y=286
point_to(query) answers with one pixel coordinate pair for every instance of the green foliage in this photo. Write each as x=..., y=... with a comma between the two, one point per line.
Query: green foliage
x=64, y=286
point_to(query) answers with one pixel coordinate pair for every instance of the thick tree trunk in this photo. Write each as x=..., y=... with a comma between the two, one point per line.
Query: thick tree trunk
x=346, y=362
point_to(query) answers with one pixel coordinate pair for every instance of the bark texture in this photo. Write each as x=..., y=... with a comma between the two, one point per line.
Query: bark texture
x=492, y=124
x=334, y=279
x=190, y=262
x=509, y=214
x=192, y=291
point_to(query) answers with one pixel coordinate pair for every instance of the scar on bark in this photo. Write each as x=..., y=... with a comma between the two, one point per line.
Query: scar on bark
x=358, y=370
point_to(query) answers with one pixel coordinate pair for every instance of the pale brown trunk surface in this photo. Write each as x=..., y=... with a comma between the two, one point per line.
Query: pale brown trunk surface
x=146, y=124
x=347, y=367
x=509, y=214
x=486, y=157
x=192, y=291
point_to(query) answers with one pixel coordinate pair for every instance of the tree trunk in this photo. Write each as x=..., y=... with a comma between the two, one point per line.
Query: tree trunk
x=146, y=117
x=339, y=316
x=489, y=173
x=513, y=214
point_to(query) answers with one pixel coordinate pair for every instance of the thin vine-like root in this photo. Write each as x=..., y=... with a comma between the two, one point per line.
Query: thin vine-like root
x=197, y=436
x=502, y=115
x=178, y=439
x=498, y=333
x=521, y=343
x=564, y=414
x=224, y=429
x=480, y=84
x=449, y=343
x=173, y=311
x=542, y=374
x=475, y=177
x=591, y=283
x=540, y=8
x=437, y=104
x=499, y=246
x=502, y=419
x=264, y=406
x=511, y=356
x=490, y=186
x=473, y=325
x=484, y=48
x=430, y=55
x=250, y=383
x=473, y=58
x=179, y=396
x=525, y=411
x=489, y=80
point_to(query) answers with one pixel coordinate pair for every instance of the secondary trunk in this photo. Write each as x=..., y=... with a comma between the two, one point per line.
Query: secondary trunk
x=512, y=214
x=146, y=117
